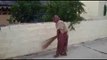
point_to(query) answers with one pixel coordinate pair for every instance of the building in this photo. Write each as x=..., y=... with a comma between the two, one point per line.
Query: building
x=5, y=11
x=95, y=9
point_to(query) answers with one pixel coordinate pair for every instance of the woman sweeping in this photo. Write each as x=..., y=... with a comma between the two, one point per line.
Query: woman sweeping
x=62, y=37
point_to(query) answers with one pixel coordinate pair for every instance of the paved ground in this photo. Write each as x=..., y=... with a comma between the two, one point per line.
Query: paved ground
x=90, y=49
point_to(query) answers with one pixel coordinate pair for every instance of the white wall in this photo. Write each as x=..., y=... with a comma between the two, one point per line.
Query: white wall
x=101, y=7
x=25, y=39
x=94, y=10
x=91, y=7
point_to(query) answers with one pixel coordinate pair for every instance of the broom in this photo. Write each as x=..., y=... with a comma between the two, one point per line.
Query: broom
x=47, y=42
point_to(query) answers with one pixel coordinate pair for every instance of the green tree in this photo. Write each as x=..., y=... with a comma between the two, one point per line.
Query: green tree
x=25, y=11
x=69, y=11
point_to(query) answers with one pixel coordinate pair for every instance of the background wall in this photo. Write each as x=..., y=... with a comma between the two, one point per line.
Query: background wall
x=94, y=10
x=22, y=39
x=3, y=19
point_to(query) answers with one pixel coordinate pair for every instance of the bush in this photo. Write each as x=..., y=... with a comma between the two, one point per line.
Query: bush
x=28, y=11
x=11, y=20
x=67, y=10
x=25, y=11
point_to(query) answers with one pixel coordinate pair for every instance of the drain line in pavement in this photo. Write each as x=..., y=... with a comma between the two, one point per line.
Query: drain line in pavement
x=95, y=49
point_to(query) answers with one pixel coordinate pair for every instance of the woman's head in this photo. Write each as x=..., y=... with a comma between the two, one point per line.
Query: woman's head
x=56, y=18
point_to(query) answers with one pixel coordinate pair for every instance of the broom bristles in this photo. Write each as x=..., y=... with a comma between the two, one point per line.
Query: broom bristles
x=48, y=42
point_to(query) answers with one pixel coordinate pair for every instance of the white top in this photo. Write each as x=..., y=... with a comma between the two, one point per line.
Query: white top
x=61, y=26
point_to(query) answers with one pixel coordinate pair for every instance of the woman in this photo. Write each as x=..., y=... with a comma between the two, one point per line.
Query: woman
x=62, y=36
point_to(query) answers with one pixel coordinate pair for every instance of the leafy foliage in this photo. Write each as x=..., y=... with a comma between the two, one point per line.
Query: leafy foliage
x=26, y=11
x=67, y=10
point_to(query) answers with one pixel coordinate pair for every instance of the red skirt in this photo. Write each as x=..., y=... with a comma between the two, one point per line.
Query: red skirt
x=62, y=42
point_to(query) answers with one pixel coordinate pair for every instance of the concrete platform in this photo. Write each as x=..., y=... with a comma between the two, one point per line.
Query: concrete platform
x=90, y=50
x=23, y=39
